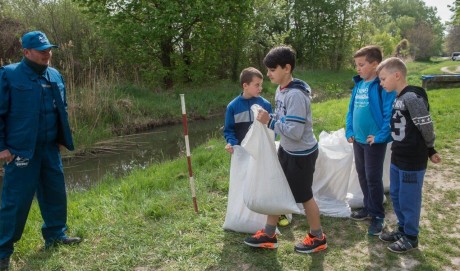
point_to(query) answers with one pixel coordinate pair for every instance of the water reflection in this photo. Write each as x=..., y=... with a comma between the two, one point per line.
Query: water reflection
x=120, y=155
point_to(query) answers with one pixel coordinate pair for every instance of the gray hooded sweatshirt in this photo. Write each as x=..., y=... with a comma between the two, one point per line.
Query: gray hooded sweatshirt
x=293, y=119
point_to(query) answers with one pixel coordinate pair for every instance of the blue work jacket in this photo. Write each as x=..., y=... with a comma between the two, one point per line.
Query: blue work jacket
x=20, y=101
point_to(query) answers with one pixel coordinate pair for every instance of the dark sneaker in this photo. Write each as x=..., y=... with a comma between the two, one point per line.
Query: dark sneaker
x=404, y=244
x=4, y=264
x=360, y=215
x=391, y=236
x=376, y=226
x=63, y=241
x=262, y=240
x=283, y=221
x=311, y=244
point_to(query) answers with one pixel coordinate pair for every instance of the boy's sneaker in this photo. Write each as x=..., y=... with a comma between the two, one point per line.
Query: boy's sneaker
x=311, y=244
x=360, y=215
x=376, y=226
x=4, y=264
x=391, y=236
x=404, y=244
x=283, y=221
x=262, y=240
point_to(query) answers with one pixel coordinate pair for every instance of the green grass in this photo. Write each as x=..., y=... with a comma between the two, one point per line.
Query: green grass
x=145, y=221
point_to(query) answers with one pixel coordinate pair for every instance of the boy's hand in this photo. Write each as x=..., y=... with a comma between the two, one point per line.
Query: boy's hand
x=229, y=148
x=370, y=139
x=351, y=139
x=435, y=158
x=263, y=116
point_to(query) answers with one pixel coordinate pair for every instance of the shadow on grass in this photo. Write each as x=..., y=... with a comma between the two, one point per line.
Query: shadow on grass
x=236, y=255
x=35, y=260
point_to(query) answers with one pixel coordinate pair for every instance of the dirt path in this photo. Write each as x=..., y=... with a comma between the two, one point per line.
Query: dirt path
x=446, y=70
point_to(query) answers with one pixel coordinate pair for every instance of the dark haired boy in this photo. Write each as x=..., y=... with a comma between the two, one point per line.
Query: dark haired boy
x=298, y=149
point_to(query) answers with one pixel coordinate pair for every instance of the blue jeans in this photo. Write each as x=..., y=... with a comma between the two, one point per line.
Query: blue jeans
x=41, y=175
x=406, y=195
x=369, y=166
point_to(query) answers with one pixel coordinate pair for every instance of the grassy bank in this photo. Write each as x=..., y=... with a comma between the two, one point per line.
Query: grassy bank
x=106, y=109
x=146, y=220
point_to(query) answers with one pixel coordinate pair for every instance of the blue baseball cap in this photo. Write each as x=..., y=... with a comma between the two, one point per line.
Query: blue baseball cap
x=36, y=40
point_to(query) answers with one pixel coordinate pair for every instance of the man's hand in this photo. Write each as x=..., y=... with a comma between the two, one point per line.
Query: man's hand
x=6, y=156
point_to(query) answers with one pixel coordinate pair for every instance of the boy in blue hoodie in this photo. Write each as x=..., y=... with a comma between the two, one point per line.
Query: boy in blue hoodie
x=413, y=143
x=298, y=149
x=368, y=128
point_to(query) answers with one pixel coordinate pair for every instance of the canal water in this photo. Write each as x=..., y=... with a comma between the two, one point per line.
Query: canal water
x=122, y=154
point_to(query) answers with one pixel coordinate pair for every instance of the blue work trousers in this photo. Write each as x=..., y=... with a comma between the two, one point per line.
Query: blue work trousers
x=41, y=175
x=406, y=195
x=369, y=166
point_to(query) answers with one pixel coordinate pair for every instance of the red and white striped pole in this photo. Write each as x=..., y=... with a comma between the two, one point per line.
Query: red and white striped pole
x=187, y=148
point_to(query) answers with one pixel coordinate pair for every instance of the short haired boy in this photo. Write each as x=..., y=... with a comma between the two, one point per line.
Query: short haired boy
x=413, y=143
x=369, y=135
x=298, y=149
x=239, y=116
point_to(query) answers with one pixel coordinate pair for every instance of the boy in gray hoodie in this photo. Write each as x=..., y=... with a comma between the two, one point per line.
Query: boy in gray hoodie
x=298, y=149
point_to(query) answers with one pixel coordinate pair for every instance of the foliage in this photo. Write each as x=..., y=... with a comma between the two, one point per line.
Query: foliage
x=159, y=44
x=453, y=39
x=9, y=44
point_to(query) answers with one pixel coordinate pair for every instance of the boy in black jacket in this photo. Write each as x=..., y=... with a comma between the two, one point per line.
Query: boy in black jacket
x=413, y=143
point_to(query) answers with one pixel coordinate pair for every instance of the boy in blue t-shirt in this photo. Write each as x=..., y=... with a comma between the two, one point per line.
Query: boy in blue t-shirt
x=368, y=128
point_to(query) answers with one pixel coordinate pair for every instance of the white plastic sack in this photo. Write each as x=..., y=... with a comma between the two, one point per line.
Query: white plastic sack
x=355, y=196
x=332, y=172
x=266, y=190
x=239, y=218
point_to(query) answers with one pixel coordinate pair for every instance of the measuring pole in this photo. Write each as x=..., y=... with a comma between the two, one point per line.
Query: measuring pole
x=187, y=148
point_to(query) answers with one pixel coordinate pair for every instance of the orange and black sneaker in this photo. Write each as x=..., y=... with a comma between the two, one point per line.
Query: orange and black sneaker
x=262, y=240
x=311, y=244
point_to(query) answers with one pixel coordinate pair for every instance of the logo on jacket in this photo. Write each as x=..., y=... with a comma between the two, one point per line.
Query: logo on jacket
x=21, y=161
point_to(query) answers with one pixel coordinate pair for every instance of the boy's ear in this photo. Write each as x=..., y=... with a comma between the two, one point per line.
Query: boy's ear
x=288, y=67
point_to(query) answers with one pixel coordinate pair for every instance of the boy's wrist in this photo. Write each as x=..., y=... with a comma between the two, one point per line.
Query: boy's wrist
x=431, y=151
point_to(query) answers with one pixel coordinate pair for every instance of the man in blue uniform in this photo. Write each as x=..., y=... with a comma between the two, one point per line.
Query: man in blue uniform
x=33, y=126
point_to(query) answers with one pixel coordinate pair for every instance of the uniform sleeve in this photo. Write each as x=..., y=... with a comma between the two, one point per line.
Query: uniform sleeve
x=229, y=127
x=292, y=125
x=4, y=108
x=421, y=118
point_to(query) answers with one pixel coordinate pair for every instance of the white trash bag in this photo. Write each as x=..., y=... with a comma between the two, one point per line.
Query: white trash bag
x=239, y=218
x=266, y=190
x=332, y=172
